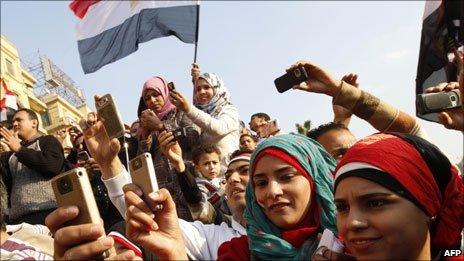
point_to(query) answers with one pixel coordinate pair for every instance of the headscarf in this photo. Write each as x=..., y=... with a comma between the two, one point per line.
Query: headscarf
x=221, y=95
x=159, y=85
x=417, y=170
x=312, y=160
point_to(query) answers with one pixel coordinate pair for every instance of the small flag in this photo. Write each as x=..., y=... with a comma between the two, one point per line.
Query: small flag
x=442, y=30
x=110, y=30
x=8, y=103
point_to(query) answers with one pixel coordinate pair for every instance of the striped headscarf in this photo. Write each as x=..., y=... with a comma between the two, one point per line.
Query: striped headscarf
x=221, y=95
x=266, y=240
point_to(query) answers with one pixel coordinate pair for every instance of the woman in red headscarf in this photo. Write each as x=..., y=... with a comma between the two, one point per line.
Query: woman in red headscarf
x=398, y=198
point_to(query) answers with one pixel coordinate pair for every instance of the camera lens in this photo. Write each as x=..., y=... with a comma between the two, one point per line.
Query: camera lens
x=297, y=72
x=64, y=185
x=136, y=164
x=453, y=98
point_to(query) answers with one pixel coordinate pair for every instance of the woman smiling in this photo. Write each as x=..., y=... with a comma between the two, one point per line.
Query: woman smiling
x=289, y=200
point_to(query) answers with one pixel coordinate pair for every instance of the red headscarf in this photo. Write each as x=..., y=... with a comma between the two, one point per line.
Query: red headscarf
x=402, y=161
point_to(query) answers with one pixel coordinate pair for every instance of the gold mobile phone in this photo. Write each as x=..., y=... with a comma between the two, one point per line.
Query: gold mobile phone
x=143, y=173
x=73, y=188
x=108, y=113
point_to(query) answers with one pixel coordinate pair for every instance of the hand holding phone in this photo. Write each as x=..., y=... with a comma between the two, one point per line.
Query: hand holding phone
x=143, y=175
x=291, y=78
x=330, y=241
x=72, y=188
x=438, y=101
x=171, y=86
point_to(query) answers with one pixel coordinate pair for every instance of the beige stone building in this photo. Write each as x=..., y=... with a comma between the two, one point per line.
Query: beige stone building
x=55, y=111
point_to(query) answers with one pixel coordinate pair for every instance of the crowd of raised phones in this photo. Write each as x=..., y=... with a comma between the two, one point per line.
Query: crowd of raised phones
x=228, y=191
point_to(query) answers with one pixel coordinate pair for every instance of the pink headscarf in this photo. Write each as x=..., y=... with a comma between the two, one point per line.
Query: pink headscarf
x=159, y=85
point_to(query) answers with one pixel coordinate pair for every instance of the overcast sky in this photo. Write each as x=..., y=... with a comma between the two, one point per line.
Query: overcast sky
x=249, y=44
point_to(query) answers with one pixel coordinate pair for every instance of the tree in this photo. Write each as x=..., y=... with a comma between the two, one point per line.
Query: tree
x=303, y=129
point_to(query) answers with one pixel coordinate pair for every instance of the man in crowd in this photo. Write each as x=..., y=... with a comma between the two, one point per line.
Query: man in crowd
x=336, y=138
x=34, y=160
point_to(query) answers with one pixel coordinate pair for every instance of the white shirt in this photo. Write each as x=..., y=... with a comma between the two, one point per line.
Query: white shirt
x=202, y=241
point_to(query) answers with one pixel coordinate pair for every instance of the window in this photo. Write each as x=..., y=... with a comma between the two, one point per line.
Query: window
x=45, y=119
x=9, y=67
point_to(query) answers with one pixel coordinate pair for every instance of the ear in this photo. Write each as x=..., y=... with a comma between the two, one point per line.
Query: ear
x=35, y=123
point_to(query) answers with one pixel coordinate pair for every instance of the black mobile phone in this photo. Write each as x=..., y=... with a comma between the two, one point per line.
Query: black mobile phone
x=439, y=101
x=291, y=78
x=83, y=156
x=171, y=86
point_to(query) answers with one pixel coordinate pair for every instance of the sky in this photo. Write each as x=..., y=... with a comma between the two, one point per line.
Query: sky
x=249, y=44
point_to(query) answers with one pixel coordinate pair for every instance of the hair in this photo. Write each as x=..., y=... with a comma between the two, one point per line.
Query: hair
x=249, y=135
x=240, y=152
x=204, y=149
x=32, y=115
x=261, y=115
x=3, y=205
x=323, y=128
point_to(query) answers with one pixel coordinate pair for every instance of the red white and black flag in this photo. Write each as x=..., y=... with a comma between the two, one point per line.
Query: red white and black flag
x=442, y=31
x=7, y=103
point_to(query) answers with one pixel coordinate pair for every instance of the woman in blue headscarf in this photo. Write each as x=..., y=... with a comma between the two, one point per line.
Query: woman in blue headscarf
x=289, y=200
x=213, y=113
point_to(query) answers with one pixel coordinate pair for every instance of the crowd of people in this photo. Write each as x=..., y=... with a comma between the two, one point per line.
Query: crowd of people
x=232, y=192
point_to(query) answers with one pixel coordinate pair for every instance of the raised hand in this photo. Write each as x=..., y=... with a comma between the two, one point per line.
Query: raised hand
x=157, y=232
x=453, y=118
x=195, y=72
x=171, y=149
x=341, y=114
x=10, y=139
x=180, y=101
x=150, y=122
x=319, y=80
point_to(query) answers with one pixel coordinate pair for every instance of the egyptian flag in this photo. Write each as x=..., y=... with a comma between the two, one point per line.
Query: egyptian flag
x=442, y=31
x=110, y=30
x=7, y=103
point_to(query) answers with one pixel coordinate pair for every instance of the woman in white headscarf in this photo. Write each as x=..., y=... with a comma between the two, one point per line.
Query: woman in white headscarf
x=213, y=113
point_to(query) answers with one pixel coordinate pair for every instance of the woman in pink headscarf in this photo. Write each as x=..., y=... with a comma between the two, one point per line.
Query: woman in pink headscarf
x=156, y=114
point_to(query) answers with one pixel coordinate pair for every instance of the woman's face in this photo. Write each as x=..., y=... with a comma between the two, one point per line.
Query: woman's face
x=203, y=91
x=378, y=224
x=154, y=101
x=282, y=192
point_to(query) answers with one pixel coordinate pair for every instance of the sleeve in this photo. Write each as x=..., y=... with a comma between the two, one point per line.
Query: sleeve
x=114, y=186
x=381, y=115
x=196, y=199
x=195, y=240
x=48, y=160
x=227, y=121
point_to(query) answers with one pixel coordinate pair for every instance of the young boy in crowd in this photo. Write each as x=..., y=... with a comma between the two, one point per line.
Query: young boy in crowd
x=208, y=165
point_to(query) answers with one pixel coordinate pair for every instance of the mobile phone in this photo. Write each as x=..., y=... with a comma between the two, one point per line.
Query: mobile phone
x=439, y=101
x=270, y=128
x=330, y=241
x=83, y=156
x=291, y=78
x=143, y=175
x=171, y=86
x=73, y=188
x=108, y=113
x=178, y=133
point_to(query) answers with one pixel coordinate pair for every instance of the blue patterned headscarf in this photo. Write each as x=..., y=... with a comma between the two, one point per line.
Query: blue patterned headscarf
x=221, y=96
x=265, y=238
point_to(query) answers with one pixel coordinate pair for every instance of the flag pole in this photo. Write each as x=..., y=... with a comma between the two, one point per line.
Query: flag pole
x=196, y=33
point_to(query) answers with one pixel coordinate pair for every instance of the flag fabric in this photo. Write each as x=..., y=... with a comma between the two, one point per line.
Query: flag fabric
x=110, y=30
x=8, y=103
x=442, y=30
